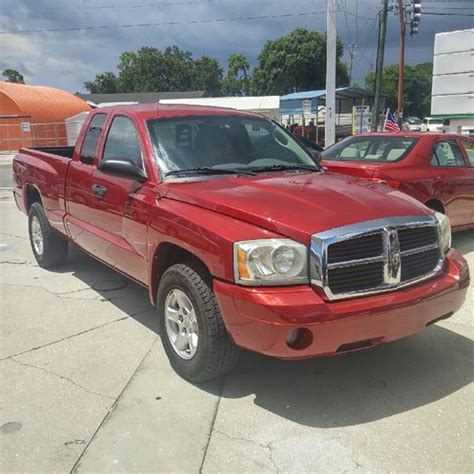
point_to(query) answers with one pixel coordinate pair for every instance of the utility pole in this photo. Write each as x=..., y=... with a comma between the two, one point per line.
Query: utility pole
x=352, y=47
x=379, y=65
x=330, y=123
x=401, y=67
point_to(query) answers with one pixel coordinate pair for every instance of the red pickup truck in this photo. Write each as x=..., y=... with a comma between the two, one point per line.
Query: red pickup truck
x=242, y=239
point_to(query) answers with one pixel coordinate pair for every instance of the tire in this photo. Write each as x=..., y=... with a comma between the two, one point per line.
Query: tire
x=215, y=354
x=49, y=248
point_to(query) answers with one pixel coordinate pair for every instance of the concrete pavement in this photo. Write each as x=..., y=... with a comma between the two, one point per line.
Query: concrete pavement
x=85, y=386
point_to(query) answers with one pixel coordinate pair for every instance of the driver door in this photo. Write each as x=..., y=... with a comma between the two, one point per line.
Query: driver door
x=116, y=212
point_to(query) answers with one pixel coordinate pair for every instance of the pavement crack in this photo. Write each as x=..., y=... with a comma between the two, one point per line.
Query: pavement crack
x=211, y=430
x=14, y=236
x=267, y=446
x=64, y=338
x=62, y=377
x=111, y=409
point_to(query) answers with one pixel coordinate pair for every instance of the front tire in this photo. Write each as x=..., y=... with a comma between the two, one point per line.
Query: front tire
x=49, y=249
x=191, y=327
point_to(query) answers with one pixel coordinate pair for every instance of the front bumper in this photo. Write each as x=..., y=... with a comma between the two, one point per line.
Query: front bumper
x=260, y=319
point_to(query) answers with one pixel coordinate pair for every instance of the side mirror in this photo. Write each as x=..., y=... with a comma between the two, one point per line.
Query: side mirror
x=124, y=168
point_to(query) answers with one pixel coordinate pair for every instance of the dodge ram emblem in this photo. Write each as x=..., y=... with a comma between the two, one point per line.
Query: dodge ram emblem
x=393, y=257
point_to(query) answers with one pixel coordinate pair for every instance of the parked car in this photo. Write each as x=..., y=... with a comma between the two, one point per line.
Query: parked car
x=412, y=124
x=437, y=169
x=241, y=238
x=430, y=124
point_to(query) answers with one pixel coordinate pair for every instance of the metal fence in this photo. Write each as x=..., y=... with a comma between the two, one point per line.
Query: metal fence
x=14, y=135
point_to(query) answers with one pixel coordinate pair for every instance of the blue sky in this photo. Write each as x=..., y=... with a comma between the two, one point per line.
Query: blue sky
x=66, y=59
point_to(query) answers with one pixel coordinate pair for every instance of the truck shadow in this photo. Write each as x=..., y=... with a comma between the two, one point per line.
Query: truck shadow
x=360, y=387
x=464, y=241
x=326, y=392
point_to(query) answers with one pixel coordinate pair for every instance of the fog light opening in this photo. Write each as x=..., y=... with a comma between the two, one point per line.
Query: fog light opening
x=299, y=339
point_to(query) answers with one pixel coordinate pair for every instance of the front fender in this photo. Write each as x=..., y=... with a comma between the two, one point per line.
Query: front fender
x=206, y=234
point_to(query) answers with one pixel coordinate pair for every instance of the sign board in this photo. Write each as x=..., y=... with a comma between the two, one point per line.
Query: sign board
x=307, y=106
x=25, y=127
x=361, y=119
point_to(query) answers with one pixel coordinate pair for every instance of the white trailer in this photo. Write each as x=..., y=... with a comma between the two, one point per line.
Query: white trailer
x=452, y=95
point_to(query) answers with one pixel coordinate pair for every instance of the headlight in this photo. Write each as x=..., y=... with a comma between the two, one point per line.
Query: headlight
x=444, y=231
x=270, y=262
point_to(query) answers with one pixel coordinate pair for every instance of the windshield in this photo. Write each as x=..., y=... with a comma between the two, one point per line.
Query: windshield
x=203, y=144
x=370, y=149
x=414, y=121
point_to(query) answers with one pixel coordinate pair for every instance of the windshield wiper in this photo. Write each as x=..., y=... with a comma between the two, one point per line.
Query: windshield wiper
x=258, y=169
x=205, y=170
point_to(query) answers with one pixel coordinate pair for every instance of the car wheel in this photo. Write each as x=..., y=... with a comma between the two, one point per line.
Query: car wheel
x=191, y=327
x=49, y=248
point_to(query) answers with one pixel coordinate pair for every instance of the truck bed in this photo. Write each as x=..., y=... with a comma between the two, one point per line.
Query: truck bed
x=64, y=151
x=43, y=170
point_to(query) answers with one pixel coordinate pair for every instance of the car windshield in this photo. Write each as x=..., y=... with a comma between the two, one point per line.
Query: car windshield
x=414, y=121
x=211, y=143
x=370, y=149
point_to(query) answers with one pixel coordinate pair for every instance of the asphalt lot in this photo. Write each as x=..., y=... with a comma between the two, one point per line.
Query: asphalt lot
x=85, y=386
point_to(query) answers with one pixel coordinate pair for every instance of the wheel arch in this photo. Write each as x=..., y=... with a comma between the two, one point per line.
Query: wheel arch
x=436, y=205
x=168, y=254
x=32, y=195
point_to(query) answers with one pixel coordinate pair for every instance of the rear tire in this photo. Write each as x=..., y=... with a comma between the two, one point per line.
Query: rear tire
x=49, y=248
x=209, y=353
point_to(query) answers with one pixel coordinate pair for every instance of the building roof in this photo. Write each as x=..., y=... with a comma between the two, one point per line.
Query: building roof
x=42, y=104
x=341, y=93
x=271, y=102
x=138, y=97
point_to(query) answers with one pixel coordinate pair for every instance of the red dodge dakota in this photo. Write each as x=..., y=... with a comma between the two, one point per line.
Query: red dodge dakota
x=242, y=239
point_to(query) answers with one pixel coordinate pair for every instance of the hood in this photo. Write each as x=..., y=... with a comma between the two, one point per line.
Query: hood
x=296, y=205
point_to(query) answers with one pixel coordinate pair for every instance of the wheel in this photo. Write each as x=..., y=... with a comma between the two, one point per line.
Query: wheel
x=191, y=327
x=49, y=248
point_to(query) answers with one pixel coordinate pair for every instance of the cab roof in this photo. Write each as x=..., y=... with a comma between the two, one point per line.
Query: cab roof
x=157, y=110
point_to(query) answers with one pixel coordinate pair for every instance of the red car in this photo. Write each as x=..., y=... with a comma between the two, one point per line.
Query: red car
x=436, y=169
x=241, y=238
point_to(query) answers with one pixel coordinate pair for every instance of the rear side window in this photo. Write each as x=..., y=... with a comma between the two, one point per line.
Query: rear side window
x=89, y=145
x=122, y=142
x=469, y=147
x=446, y=153
x=370, y=149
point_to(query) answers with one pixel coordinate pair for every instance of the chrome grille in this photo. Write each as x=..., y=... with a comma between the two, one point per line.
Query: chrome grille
x=355, y=249
x=417, y=237
x=375, y=256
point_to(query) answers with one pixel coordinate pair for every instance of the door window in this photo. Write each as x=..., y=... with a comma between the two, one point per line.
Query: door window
x=446, y=153
x=469, y=147
x=89, y=145
x=122, y=142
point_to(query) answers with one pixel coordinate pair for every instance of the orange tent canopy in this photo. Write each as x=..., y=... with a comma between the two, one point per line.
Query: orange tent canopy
x=42, y=104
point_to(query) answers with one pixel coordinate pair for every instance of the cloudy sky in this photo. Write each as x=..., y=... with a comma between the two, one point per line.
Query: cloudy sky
x=96, y=35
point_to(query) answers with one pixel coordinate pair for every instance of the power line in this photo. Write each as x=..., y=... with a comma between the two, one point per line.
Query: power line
x=448, y=14
x=165, y=23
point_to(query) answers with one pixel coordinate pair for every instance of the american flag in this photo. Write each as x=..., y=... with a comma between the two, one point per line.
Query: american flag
x=390, y=123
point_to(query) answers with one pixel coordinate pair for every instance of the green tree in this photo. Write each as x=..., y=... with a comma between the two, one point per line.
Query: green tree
x=237, y=80
x=207, y=76
x=12, y=75
x=417, y=87
x=296, y=61
x=105, y=83
x=152, y=70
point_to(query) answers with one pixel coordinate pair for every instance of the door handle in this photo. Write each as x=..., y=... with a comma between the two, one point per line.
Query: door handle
x=98, y=190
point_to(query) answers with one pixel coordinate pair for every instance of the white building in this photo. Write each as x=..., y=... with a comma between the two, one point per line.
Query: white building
x=265, y=105
x=452, y=95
